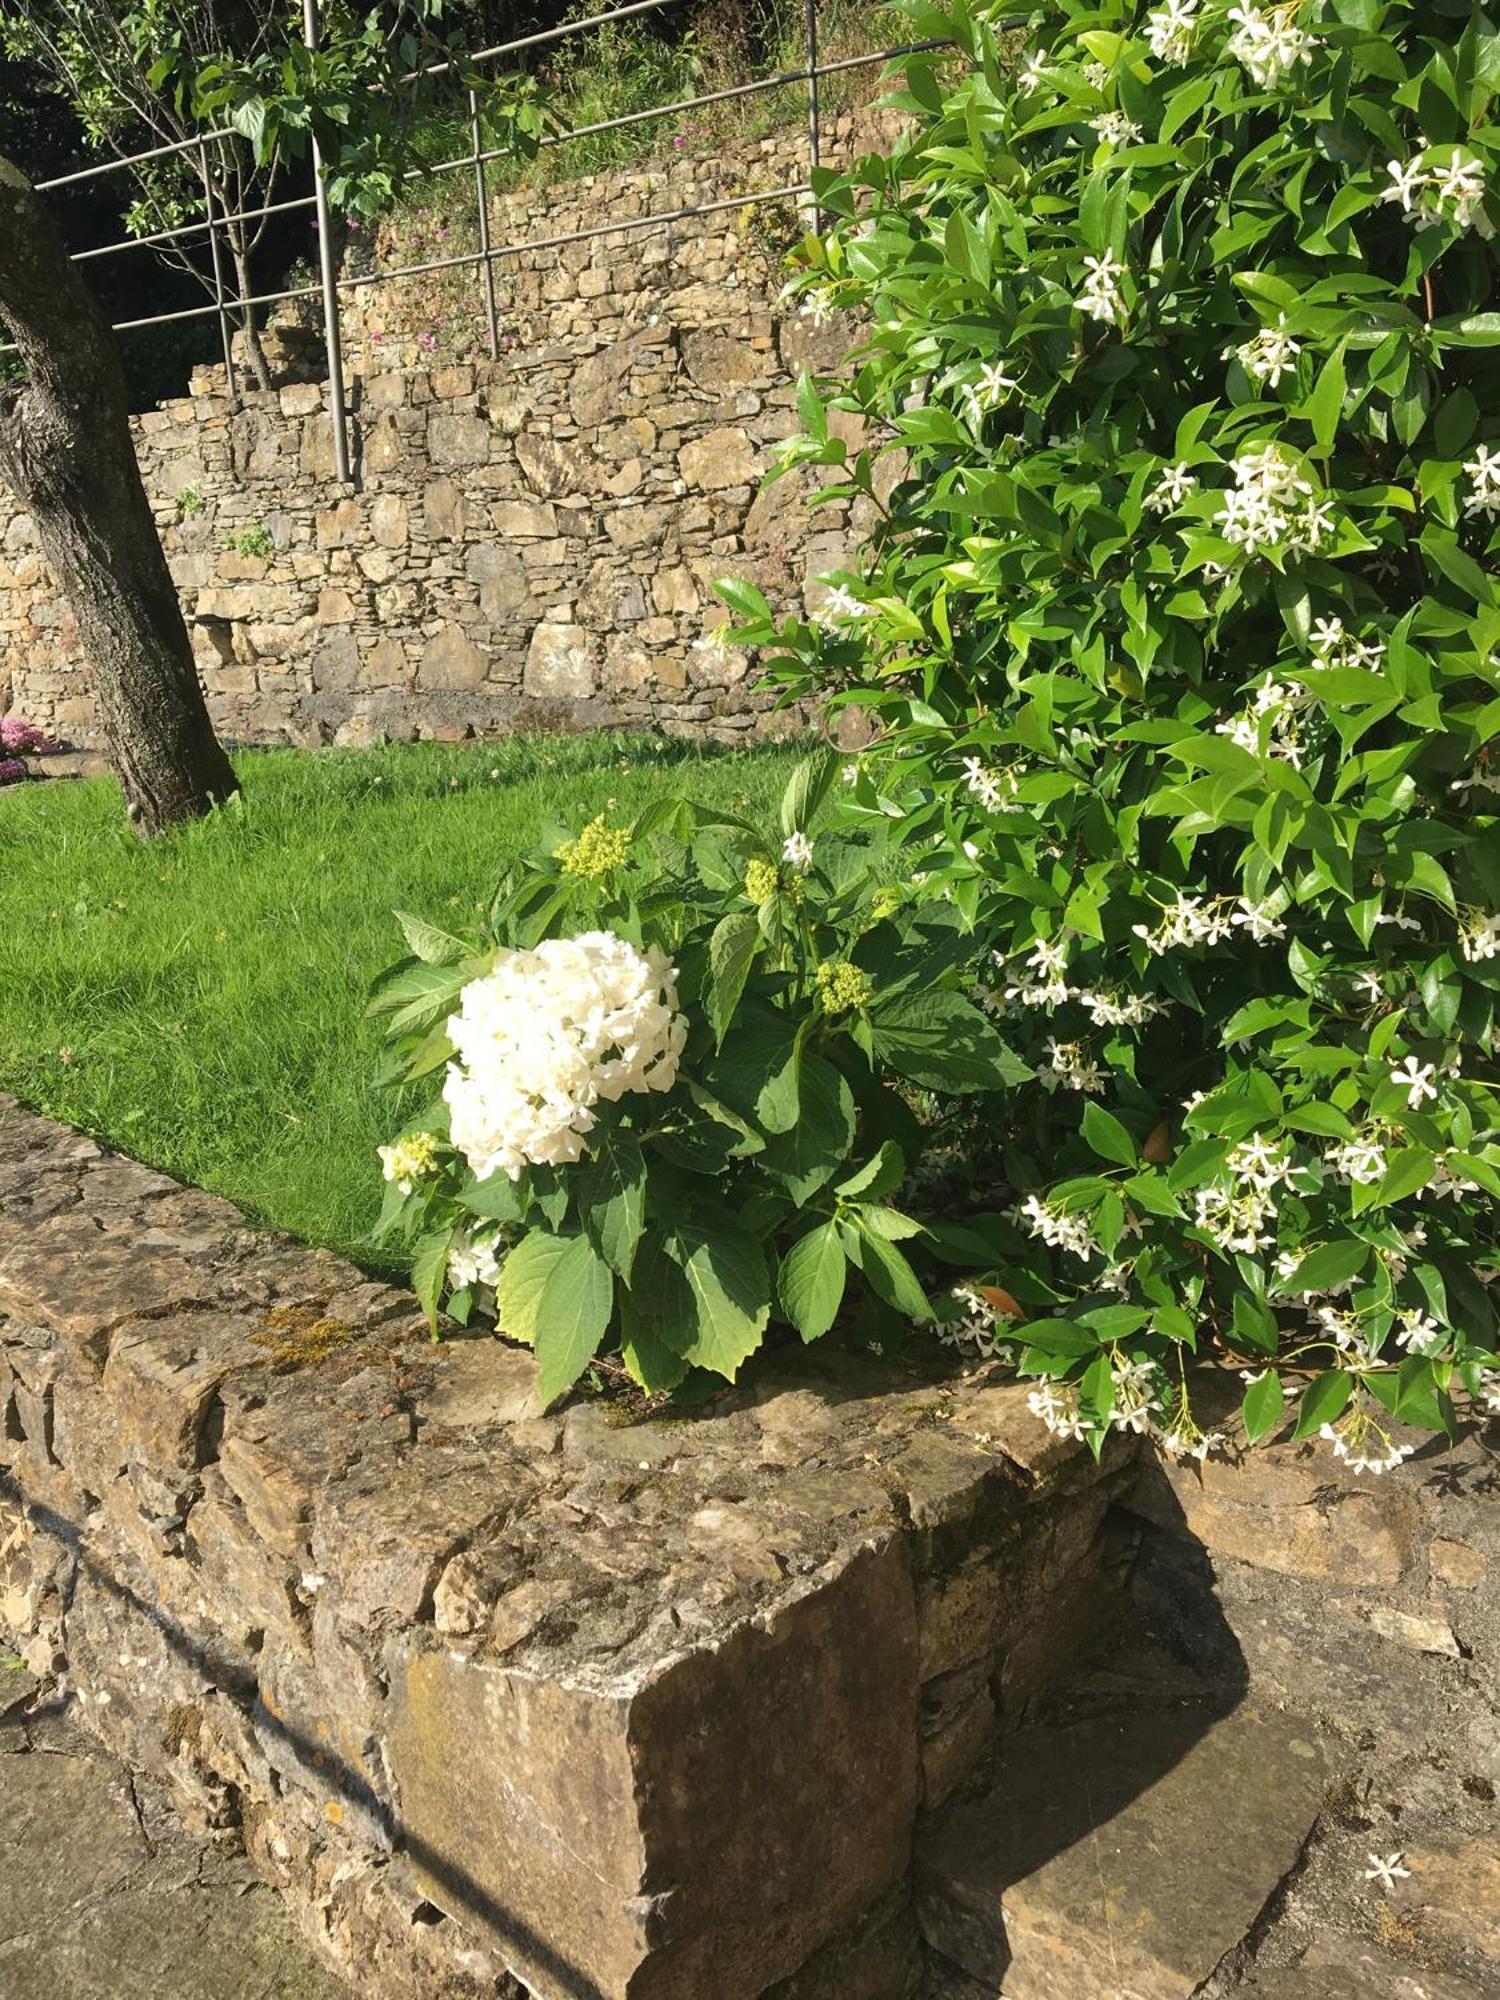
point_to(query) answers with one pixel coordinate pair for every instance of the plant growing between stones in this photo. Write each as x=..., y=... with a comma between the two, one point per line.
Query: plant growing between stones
x=1179, y=631
x=682, y=1079
x=253, y=541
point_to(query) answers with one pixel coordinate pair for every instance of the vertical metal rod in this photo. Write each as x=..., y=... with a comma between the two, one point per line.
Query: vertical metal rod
x=814, y=108
x=482, y=195
x=213, y=240
x=332, y=334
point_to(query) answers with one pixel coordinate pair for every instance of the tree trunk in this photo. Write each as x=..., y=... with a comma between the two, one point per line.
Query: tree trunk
x=259, y=366
x=66, y=450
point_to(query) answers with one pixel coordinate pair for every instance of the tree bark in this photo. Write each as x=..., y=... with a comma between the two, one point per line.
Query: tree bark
x=67, y=452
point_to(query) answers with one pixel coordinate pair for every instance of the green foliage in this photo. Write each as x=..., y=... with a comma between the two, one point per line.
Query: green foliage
x=751, y=1185
x=1179, y=626
x=252, y=541
x=190, y=503
x=200, y=1003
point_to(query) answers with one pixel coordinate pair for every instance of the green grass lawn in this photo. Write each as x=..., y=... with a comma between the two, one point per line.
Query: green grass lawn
x=199, y=1002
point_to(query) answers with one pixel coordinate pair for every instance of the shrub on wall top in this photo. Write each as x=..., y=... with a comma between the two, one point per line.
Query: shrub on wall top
x=1180, y=630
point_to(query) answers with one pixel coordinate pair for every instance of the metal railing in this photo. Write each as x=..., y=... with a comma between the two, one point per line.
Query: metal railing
x=232, y=308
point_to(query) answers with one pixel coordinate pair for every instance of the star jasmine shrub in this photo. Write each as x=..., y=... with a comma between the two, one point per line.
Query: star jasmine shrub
x=694, y=1089
x=1180, y=632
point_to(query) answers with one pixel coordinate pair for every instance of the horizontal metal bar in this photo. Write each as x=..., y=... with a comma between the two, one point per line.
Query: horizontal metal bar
x=780, y=81
x=135, y=159
x=625, y=224
x=435, y=69
x=194, y=228
x=622, y=13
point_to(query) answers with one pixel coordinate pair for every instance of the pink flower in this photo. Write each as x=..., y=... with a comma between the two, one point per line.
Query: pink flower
x=12, y=770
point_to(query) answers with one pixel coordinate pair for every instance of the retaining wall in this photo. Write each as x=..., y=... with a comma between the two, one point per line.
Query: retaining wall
x=613, y=1708
x=531, y=542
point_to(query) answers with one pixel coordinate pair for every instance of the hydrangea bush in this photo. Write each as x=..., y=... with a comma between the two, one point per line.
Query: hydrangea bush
x=1178, y=630
x=683, y=1076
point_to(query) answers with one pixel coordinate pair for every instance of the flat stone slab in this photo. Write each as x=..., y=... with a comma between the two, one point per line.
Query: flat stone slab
x=103, y=1893
x=1120, y=1858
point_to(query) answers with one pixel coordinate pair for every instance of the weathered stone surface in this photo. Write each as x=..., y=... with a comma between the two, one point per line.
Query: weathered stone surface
x=724, y=458
x=639, y=1699
x=763, y=1780
x=105, y=1895
x=560, y=662
x=451, y=660
x=1133, y=1884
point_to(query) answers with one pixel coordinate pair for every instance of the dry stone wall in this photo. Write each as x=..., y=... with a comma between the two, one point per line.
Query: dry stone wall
x=622, y=1710
x=531, y=542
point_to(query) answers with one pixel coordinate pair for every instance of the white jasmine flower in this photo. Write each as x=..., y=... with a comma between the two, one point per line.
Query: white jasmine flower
x=1170, y=30
x=1386, y=1870
x=1033, y=70
x=1049, y=959
x=1096, y=74
x=1418, y=1333
x=1057, y=1229
x=987, y=392
x=1057, y=1406
x=548, y=1033
x=797, y=852
x=1070, y=1068
x=838, y=606
x=1101, y=297
x=1269, y=44
x=1416, y=1080
x=1483, y=473
x=993, y=789
x=1171, y=489
x=1115, y=128
x=1266, y=502
x=1269, y=355
x=1480, y=937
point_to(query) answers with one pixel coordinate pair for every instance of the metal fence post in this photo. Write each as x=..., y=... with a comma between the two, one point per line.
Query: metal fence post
x=492, y=316
x=332, y=334
x=814, y=107
x=217, y=255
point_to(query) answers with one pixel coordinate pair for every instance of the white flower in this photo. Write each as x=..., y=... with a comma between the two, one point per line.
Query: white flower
x=797, y=852
x=838, y=606
x=1419, y=1333
x=1057, y=1406
x=1480, y=937
x=1096, y=74
x=1101, y=297
x=1408, y=179
x=1170, y=30
x=1358, y=1160
x=475, y=1262
x=1060, y=1230
x=993, y=789
x=1268, y=45
x=987, y=392
x=1271, y=354
x=1267, y=503
x=546, y=1034
x=1386, y=1869
x=1483, y=473
x=1069, y=1068
x=1049, y=959
x=1033, y=70
x=1459, y=186
x=1115, y=128
x=1416, y=1080
x=1171, y=489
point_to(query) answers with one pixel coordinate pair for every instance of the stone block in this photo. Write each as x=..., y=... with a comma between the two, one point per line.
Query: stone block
x=551, y=469
x=780, y=1805
x=451, y=660
x=1136, y=1882
x=723, y=458
x=560, y=661
x=455, y=438
x=524, y=520
x=388, y=521
x=443, y=510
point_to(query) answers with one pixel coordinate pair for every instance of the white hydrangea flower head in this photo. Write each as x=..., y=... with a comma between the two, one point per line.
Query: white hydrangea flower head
x=546, y=1035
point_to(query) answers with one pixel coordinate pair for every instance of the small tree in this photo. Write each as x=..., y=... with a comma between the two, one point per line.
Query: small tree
x=155, y=73
x=66, y=451
x=1181, y=628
